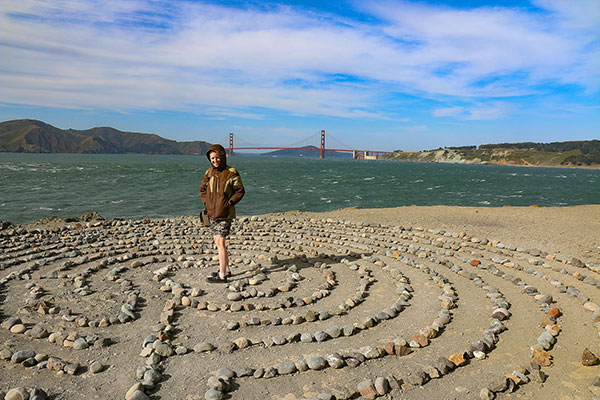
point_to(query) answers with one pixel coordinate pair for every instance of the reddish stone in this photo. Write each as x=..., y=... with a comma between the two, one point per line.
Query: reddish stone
x=422, y=340
x=554, y=313
x=541, y=357
x=389, y=348
x=475, y=262
x=402, y=350
x=588, y=358
x=457, y=359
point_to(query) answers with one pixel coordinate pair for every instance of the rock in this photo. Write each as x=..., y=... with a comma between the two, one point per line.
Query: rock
x=71, y=369
x=22, y=355
x=316, y=363
x=96, y=367
x=138, y=395
x=18, y=393
x=457, y=359
x=367, y=389
x=499, y=385
x=486, y=394
x=381, y=386
x=5, y=354
x=80, y=344
x=164, y=350
x=152, y=375
x=417, y=378
x=10, y=322
x=204, y=347
x=321, y=336
x=217, y=383
x=286, y=368
x=270, y=372
x=335, y=361
x=587, y=358
x=541, y=357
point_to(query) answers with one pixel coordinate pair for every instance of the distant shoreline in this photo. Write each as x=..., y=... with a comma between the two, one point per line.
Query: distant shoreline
x=593, y=166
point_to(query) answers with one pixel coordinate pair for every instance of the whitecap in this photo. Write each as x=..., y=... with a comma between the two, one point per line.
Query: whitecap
x=418, y=180
x=369, y=179
x=46, y=208
x=116, y=201
x=485, y=202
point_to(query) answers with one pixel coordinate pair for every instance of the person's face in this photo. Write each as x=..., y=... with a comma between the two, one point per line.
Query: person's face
x=215, y=159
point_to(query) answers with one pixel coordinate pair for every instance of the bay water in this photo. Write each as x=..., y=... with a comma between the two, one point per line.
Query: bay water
x=33, y=186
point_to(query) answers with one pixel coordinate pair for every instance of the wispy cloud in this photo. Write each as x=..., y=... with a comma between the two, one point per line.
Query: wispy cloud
x=218, y=60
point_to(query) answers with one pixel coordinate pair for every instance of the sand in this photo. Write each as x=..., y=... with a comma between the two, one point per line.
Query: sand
x=182, y=246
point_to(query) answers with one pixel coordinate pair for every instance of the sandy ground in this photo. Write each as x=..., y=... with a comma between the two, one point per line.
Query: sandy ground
x=314, y=243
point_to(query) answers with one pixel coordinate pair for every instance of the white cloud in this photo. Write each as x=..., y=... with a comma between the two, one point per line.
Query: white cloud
x=448, y=111
x=147, y=54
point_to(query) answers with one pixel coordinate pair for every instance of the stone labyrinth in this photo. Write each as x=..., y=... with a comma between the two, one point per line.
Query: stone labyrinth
x=323, y=309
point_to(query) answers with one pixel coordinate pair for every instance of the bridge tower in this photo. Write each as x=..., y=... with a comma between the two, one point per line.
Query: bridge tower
x=230, y=143
x=322, y=152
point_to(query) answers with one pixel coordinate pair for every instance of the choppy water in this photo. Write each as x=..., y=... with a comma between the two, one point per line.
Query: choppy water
x=33, y=186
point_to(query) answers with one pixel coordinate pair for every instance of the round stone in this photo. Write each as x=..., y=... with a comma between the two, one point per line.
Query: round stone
x=316, y=363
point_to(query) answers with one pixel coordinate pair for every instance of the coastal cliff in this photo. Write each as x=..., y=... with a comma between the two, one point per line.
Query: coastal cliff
x=563, y=154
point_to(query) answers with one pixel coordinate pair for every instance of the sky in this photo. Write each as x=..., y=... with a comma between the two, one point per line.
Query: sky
x=376, y=75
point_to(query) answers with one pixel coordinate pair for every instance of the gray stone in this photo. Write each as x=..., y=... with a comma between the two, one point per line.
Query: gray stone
x=203, y=347
x=270, y=372
x=152, y=375
x=71, y=369
x=96, y=366
x=286, y=368
x=226, y=372
x=212, y=394
x=164, y=350
x=22, y=355
x=301, y=365
x=139, y=395
x=417, y=378
x=321, y=336
x=335, y=361
x=80, y=344
x=306, y=337
x=316, y=363
x=38, y=332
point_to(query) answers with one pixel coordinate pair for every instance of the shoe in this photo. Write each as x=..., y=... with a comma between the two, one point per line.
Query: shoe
x=227, y=274
x=216, y=279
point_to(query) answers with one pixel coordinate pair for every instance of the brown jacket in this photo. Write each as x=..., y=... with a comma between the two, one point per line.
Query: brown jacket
x=221, y=188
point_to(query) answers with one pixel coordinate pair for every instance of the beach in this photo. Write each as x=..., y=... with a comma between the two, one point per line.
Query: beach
x=412, y=302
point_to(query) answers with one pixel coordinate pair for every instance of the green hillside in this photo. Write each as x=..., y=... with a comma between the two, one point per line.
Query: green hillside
x=573, y=153
x=31, y=136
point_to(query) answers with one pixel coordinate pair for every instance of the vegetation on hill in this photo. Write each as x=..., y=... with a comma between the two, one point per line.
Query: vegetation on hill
x=31, y=136
x=573, y=153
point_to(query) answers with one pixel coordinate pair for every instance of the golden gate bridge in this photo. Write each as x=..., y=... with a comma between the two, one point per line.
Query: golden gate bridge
x=356, y=154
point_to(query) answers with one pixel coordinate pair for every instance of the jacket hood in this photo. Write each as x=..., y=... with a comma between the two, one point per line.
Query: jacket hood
x=220, y=150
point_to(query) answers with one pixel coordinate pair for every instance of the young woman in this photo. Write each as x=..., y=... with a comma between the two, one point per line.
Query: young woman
x=220, y=190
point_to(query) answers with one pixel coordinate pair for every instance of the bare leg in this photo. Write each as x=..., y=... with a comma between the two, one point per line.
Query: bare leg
x=223, y=256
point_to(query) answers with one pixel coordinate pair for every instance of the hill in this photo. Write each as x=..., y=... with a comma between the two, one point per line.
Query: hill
x=31, y=136
x=311, y=151
x=556, y=154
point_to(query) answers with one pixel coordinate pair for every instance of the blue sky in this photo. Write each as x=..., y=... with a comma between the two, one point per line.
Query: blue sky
x=377, y=75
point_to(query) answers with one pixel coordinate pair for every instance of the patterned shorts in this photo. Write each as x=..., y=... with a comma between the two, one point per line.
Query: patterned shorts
x=220, y=228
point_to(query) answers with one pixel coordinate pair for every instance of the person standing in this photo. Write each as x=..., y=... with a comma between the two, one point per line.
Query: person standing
x=220, y=190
